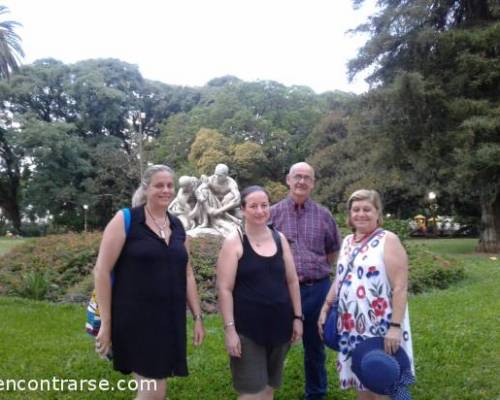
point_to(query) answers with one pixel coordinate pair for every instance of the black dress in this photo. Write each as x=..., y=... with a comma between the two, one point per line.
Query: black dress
x=148, y=318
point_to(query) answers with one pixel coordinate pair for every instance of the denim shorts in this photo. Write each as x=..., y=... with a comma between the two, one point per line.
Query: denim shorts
x=258, y=367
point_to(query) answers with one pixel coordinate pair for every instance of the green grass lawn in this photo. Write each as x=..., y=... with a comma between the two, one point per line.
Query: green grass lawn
x=455, y=333
x=7, y=243
x=448, y=246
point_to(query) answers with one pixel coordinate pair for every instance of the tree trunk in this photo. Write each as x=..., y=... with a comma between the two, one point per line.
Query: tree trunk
x=489, y=230
x=9, y=201
x=12, y=213
x=10, y=183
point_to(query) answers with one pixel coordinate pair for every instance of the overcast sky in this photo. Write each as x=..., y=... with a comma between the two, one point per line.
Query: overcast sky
x=189, y=42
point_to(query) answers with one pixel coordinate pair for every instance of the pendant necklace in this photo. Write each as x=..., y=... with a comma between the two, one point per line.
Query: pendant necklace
x=160, y=227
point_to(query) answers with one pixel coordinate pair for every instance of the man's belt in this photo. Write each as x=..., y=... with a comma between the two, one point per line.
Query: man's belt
x=310, y=281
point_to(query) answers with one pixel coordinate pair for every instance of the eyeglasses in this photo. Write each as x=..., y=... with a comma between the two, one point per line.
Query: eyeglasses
x=305, y=178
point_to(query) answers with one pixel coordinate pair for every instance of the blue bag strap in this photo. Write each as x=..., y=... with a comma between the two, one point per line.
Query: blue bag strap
x=127, y=219
x=126, y=216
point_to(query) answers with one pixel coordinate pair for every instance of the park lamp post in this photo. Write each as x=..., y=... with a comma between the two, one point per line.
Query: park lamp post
x=85, y=208
x=433, y=206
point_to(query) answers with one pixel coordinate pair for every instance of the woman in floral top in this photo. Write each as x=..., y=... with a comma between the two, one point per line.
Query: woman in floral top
x=373, y=295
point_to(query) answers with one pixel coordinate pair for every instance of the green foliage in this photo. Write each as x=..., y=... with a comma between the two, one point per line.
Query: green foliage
x=34, y=285
x=58, y=267
x=436, y=105
x=204, y=252
x=86, y=115
x=399, y=226
x=59, y=165
x=277, y=118
x=247, y=162
x=10, y=45
x=209, y=149
x=48, y=266
x=429, y=271
x=177, y=134
x=277, y=191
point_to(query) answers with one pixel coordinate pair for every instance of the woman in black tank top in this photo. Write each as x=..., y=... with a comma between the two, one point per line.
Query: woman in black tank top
x=259, y=298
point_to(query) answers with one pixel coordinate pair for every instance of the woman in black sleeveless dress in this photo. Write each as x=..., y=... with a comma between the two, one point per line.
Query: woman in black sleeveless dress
x=259, y=299
x=143, y=316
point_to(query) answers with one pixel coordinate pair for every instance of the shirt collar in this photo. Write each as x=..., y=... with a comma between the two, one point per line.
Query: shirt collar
x=294, y=206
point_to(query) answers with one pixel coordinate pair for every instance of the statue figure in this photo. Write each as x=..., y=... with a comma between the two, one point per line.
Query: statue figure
x=218, y=199
x=184, y=206
x=211, y=202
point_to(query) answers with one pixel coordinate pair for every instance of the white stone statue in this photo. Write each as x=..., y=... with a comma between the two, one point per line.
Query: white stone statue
x=208, y=205
x=184, y=205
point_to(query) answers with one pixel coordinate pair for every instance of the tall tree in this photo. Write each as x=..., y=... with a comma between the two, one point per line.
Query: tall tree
x=10, y=45
x=10, y=177
x=451, y=48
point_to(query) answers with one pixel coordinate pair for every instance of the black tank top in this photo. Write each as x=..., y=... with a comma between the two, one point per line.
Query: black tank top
x=263, y=310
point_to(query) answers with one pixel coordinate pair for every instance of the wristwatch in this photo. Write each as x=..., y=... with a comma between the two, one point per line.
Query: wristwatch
x=301, y=317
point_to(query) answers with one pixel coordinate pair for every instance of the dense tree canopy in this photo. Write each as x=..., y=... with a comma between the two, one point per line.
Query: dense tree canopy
x=436, y=68
x=70, y=134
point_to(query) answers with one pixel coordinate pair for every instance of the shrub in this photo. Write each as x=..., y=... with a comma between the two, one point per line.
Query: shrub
x=341, y=220
x=58, y=267
x=60, y=261
x=428, y=270
x=34, y=285
x=399, y=226
x=277, y=190
x=204, y=251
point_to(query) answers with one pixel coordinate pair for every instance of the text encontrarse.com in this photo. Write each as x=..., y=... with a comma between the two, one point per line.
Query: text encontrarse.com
x=57, y=384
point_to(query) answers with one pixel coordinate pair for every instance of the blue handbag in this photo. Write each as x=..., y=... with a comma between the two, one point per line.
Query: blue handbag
x=331, y=336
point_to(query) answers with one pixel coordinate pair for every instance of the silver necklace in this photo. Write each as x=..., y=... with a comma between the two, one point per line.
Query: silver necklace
x=256, y=242
x=160, y=227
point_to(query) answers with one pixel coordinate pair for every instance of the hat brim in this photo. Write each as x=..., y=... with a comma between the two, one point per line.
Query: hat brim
x=377, y=370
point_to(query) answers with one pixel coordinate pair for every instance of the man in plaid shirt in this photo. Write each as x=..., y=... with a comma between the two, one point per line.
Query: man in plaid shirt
x=315, y=241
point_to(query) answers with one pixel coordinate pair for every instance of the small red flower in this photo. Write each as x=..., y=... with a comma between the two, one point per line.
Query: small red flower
x=347, y=322
x=361, y=292
x=379, y=305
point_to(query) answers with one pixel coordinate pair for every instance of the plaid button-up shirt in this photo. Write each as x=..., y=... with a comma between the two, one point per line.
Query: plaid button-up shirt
x=312, y=234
